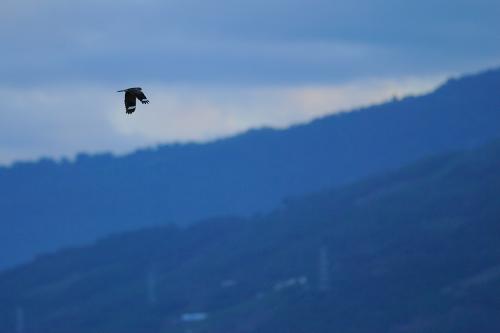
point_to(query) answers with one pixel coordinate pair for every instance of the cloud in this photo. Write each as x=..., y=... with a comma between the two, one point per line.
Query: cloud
x=56, y=121
x=62, y=121
x=218, y=67
x=260, y=41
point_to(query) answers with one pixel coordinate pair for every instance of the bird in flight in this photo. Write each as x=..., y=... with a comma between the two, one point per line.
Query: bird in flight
x=130, y=95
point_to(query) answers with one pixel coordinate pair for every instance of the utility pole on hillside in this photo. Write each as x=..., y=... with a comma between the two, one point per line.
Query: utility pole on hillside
x=151, y=282
x=324, y=269
x=19, y=320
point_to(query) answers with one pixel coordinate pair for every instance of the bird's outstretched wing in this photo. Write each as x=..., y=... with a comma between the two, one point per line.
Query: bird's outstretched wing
x=129, y=102
x=140, y=96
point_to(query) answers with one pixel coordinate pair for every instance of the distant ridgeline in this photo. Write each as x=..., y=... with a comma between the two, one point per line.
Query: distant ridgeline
x=407, y=252
x=47, y=205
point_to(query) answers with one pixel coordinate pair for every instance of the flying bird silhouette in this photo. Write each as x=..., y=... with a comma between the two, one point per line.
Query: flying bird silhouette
x=130, y=95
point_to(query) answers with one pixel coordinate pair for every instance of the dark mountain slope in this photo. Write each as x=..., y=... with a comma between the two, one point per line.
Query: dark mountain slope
x=47, y=205
x=411, y=251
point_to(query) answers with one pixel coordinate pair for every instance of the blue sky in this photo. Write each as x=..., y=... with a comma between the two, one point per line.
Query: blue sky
x=214, y=68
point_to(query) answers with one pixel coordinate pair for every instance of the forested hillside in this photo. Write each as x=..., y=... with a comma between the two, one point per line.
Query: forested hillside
x=409, y=251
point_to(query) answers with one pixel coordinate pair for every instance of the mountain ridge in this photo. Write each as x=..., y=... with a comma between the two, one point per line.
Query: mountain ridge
x=76, y=202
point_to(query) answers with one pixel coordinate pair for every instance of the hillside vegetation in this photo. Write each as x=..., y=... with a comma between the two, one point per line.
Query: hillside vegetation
x=409, y=251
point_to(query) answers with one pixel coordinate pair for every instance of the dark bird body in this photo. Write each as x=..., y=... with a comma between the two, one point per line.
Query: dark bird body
x=131, y=94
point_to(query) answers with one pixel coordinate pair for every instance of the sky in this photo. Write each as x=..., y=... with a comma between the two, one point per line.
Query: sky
x=216, y=68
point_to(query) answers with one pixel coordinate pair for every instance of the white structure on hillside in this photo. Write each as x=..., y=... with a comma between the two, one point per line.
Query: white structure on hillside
x=194, y=316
